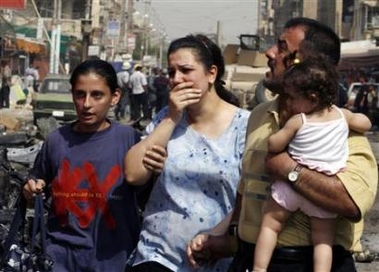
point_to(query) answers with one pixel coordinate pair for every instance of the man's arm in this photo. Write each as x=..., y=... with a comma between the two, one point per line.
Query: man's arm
x=339, y=193
x=325, y=191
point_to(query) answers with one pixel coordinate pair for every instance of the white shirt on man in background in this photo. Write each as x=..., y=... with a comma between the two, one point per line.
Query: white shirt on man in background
x=137, y=82
x=123, y=78
x=31, y=76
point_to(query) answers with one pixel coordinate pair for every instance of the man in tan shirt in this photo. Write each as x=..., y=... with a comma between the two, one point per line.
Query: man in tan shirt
x=350, y=193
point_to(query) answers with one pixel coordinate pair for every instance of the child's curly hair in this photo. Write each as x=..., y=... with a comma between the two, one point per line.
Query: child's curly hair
x=313, y=75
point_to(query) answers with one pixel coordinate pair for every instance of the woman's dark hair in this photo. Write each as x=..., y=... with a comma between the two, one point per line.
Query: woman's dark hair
x=314, y=75
x=98, y=67
x=208, y=53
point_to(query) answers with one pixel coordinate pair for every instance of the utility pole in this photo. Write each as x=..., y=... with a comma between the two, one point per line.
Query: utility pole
x=122, y=44
x=58, y=38
x=161, y=45
x=219, y=31
x=53, y=39
x=40, y=18
x=146, y=23
x=130, y=27
x=86, y=29
x=357, y=19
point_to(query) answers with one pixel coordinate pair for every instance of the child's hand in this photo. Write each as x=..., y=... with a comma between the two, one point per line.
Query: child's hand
x=33, y=187
x=197, y=251
x=155, y=158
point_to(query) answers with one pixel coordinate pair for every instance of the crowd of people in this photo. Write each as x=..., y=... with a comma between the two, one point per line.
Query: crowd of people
x=26, y=85
x=224, y=183
x=143, y=94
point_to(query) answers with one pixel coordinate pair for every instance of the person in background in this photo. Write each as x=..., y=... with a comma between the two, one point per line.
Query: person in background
x=361, y=102
x=152, y=91
x=349, y=193
x=373, y=105
x=161, y=84
x=123, y=83
x=203, y=130
x=316, y=136
x=32, y=77
x=6, y=77
x=93, y=224
x=138, y=84
x=341, y=98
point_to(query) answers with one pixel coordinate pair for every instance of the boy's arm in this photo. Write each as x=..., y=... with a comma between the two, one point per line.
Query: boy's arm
x=279, y=140
x=357, y=121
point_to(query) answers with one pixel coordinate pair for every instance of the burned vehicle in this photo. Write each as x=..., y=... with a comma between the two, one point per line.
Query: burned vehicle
x=245, y=69
x=52, y=104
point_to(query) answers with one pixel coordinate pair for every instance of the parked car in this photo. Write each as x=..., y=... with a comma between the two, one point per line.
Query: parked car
x=52, y=104
x=354, y=89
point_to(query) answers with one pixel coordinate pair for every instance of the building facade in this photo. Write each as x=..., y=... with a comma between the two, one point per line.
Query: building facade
x=274, y=13
x=351, y=19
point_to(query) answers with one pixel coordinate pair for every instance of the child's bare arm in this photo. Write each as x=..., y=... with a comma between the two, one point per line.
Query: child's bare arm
x=278, y=141
x=357, y=121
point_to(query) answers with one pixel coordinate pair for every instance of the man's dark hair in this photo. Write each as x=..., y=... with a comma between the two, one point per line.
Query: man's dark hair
x=319, y=38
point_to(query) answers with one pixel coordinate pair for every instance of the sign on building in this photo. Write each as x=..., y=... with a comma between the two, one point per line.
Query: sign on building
x=113, y=28
x=93, y=50
x=131, y=41
x=12, y=4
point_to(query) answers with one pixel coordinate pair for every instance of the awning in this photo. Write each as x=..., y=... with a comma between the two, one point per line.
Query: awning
x=30, y=32
x=371, y=3
x=358, y=62
x=30, y=46
x=359, y=54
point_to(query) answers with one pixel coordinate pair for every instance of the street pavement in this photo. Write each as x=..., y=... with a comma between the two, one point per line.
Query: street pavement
x=370, y=237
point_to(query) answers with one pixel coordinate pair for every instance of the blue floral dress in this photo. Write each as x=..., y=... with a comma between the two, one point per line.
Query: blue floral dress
x=195, y=191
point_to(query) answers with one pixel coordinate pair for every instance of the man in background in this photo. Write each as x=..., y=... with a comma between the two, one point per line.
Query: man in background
x=151, y=90
x=138, y=84
x=161, y=84
x=32, y=77
x=361, y=102
x=6, y=76
x=123, y=83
